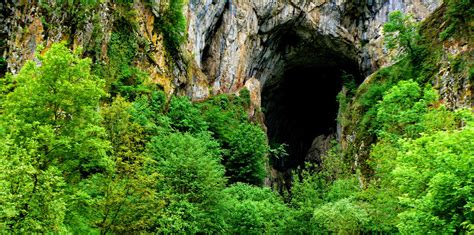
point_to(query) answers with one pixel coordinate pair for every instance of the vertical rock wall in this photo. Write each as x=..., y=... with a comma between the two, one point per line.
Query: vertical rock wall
x=229, y=41
x=235, y=40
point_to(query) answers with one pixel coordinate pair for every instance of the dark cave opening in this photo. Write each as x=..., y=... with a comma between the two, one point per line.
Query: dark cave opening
x=302, y=105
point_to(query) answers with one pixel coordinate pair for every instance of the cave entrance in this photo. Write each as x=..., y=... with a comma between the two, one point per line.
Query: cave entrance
x=300, y=104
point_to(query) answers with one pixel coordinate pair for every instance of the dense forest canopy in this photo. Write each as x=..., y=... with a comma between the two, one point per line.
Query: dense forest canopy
x=87, y=147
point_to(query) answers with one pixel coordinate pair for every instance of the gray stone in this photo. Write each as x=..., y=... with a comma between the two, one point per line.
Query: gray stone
x=235, y=40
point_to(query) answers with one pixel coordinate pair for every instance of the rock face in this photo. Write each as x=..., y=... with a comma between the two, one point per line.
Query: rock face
x=320, y=146
x=28, y=24
x=235, y=40
x=230, y=41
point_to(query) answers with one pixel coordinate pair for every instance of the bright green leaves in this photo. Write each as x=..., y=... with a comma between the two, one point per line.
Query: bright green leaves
x=401, y=32
x=193, y=179
x=122, y=75
x=185, y=116
x=459, y=16
x=425, y=160
x=31, y=198
x=246, y=156
x=123, y=199
x=252, y=210
x=244, y=144
x=435, y=176
x=189, y=163
x=56, y=105
x=343, y=216
x=52, y=135
x=402, y=109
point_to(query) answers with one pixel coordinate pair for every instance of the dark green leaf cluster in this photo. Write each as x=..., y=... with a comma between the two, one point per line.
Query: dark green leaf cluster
x=172, y=23
x=459, y=15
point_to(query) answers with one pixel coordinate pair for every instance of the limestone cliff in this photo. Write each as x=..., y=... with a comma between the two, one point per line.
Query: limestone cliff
x=231, y=41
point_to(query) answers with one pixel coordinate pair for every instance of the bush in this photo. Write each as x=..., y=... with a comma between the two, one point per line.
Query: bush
x=252, y=210
x=435, y=178
x=341, y=216
x=458, y=15
x=244, y=144
x=192, y=180
x=402, y=109
x=122, y=76
x=52, y=135
x=185, y=116
x=246, y=156
x=401, y=32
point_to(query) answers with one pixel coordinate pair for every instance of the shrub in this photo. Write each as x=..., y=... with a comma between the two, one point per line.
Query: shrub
x=185, y=116
x=245, y=157
x=402, y=108
x=341, y=216
x=192, y=180
x=458, y=15
x=244, y=144
x=252, y=210
x=435, y=178
x=401, y=32
x=52, y=135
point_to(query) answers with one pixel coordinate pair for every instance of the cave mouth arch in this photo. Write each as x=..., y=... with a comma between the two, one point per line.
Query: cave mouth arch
x=299, y=102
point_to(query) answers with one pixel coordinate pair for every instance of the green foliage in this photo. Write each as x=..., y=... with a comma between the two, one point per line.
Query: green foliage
x=435, y=177
x=72, y=161
x=3, y=64
x=340, y=216
x=31, y=198
x=148, y=111
x=185, y=117
x=344, y=97
x=421, y=170
x=402, y=108
x=74, y=13
x=246, y=156
x=124, y=198
x=380, y=201
x=401, y=32
x=459, y=15
x=307, y=194
x=193, y=179
x=322, y=204
x=65, y=123
x=122, y=76
x=245, y=144
x=224, y=114
x=253, y=210
x=49, y=139
x=278, y=151
x=172, y=23
x=244, y=97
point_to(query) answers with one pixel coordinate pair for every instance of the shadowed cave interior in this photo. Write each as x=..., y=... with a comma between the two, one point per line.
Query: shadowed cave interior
x=301, y=104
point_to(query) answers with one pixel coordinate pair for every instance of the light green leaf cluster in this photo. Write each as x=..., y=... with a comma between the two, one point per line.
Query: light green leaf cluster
x=52, y=136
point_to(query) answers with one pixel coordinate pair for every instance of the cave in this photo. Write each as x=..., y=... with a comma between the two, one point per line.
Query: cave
x=300, y=103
